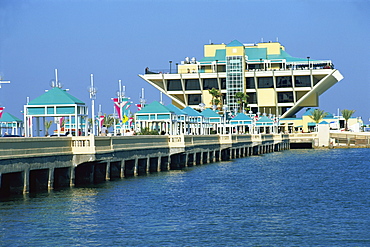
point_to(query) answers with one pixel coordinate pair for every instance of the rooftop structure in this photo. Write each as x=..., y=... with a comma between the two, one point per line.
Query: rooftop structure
x=275, y=82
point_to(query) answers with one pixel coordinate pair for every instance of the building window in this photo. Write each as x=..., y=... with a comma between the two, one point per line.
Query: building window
x=194, y=99
x=285, y=97
x=302, y=81
x=223, y=83
x=192, y=84
x=265, y=82
x=210, y=83
x=252, y=98
x=174, y=85
x=283, y=81
x=250, y=83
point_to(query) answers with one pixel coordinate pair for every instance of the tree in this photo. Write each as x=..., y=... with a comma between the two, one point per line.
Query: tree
x=347, y=114
x=108, y=120
x=317, y=115
x=47, y=126
x=216, y=96
x=241, y=100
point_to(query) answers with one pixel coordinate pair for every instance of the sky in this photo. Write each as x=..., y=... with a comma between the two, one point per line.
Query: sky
x=117, y=39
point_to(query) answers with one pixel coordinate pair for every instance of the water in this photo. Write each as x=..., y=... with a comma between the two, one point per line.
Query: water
x=290, y=198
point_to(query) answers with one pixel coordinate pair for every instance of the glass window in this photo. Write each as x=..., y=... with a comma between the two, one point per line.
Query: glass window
x=194, y=99
x=252, y=98
x=192, y=84
x=283, y=81
x=265, y=82
x=174, y=85
x=302, y=81
x=223, y=83
x=285, y=97
x=250, y=83
x=210, y=83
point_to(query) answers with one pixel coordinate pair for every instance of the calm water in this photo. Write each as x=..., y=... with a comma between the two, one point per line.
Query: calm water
x=290, y=198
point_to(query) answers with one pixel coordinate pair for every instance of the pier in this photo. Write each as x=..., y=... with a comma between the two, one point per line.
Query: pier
x=45, y=163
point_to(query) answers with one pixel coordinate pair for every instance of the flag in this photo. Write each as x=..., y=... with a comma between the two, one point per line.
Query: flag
x=125, y=119
x=131, y=120
x=101, y=120
x=139, y=106
x=117, y=107
x=61, y=121
x=1, y=111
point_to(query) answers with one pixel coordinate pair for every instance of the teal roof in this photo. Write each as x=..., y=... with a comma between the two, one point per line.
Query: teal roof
x=7, y=117
x=55, y=96
x=154, y=107
x=242, y=117
x=176, y=110
x=219, y=56
x=264, y=121
x=256, y=53
x=208, y=113
x=191, y=112
x=234, y=43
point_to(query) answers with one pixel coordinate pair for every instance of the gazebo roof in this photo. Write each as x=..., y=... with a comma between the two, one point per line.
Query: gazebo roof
x=176, y=110
x=7, y=117
x=264, y=121
x=56, y=96
x=154, y=107
x=241, y=117
x=191, y=112
x=208, y=113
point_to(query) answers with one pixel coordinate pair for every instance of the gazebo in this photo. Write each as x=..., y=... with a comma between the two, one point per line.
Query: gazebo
x=265, y=125
x=241, y=123
x=11, y=124
x=181, y=117
x=195, y=121
x=57, y=104
x=214, y=119
x=156, y=116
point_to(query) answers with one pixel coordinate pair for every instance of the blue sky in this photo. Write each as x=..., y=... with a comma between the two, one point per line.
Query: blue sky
x=116, y=39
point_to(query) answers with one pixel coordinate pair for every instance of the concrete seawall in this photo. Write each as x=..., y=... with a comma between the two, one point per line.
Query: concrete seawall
x=45, y=163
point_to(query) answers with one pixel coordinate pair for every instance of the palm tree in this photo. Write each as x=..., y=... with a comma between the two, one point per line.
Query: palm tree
x=47, y=126
x=216, y=95
x=347, y=114
x=108, y=120
x=241, y=99
x=317, y=115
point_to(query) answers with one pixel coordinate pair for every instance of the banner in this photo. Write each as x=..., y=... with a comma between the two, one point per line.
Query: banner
x=1, y=111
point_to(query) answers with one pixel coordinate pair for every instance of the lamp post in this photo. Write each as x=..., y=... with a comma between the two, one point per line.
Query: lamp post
x=2, y=82
x=170, y=66
x=177, y=68
x=224, y=108
x=92, y=91
x=308, y=62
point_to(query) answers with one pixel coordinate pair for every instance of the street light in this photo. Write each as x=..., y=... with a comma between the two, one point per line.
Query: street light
x=170, y=65
x=92, y=91
x=224, y=108
x=308, y=62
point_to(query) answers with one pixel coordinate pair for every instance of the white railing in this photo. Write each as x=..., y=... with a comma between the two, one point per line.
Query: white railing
x=83, y=144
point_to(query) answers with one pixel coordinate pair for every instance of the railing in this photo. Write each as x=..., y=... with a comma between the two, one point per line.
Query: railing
x=49, y=146
x=350, y=139
x=83, y=144
x=300, y=66
x=27, y=147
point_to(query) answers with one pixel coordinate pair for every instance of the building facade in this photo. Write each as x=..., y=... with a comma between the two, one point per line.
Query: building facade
x=275, y=82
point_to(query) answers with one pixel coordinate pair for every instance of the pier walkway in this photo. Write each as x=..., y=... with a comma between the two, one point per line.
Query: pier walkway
x=43, y=163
